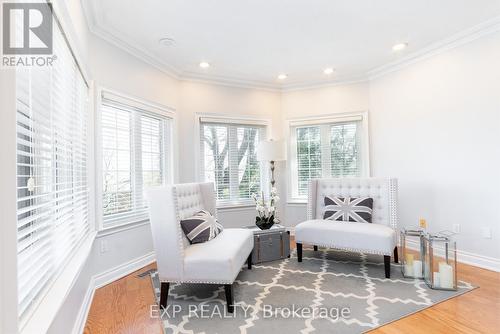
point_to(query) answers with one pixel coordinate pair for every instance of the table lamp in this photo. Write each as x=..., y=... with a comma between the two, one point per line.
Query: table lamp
x=271, y=150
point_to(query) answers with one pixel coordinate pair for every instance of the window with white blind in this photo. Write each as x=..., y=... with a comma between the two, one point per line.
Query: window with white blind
x=325, y=148
x=52, y=178
x=229, y=159
x=136, y=147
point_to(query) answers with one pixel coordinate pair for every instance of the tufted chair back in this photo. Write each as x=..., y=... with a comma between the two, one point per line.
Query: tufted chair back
x=382, y=190
x=167, y=206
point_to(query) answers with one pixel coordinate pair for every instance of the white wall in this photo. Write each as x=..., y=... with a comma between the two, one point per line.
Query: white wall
x=436, y=126
x=115, y=69
x=325, y=100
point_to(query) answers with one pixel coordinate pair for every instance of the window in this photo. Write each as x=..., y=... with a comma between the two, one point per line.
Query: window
x=136, y=150
x=327, y=148
x=229, y=160
x=52, y=178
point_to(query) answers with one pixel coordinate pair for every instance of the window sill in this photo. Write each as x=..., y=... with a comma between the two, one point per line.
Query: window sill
x=297, y=202
x=45, y=312
x=230, y=207
x=117, y=228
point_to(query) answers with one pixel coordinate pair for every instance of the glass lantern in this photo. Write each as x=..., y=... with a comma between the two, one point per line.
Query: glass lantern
x=440, y=261
x=412, y=262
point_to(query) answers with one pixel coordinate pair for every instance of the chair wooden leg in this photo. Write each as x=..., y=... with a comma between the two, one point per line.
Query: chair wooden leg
x=396, y=254
x=228, y=288
x=299, y=252
x=249, y=261
x=387, y=266
x=164, y=294
x=315, y=248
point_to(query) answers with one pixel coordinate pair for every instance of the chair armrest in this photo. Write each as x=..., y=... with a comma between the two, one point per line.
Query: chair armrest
x=166, y=232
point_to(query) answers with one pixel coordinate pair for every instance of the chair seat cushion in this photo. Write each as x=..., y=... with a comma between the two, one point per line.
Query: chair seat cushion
x=362, y=237
x=218, y=260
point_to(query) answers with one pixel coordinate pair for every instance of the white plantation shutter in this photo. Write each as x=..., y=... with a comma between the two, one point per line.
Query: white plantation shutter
x=229, y=159
x=345, y=150
x=52, y=156
x=323, y=149
x=135, y=150
x=309, y=157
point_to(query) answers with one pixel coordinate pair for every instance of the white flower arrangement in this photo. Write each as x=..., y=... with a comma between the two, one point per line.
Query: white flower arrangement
x=266, y=210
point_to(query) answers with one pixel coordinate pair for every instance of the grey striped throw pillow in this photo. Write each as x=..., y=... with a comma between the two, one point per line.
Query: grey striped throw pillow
x=201, y=227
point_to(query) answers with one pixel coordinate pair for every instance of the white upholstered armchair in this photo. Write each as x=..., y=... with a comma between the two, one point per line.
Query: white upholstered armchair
x=378, y=237
x=217, y=261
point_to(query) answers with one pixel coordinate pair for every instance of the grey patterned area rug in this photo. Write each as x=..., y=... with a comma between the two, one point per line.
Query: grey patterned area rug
x=329, y=292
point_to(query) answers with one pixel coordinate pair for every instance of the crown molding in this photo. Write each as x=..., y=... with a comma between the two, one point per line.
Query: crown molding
x=228, y=81
x=340, y=81
x=93, y=8
x=454, y=41
x=127, y=47
x=238, y=83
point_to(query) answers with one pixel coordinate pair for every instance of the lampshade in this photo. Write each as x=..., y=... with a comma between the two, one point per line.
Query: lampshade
x=271, y=150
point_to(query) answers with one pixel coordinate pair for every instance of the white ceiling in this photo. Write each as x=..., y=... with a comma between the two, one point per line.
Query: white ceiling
x=253, y=41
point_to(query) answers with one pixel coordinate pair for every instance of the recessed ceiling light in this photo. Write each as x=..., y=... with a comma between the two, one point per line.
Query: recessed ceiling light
x=282, y=76
x=328, y=71
x=399, y=46
x=166, y=41
x=204, y=64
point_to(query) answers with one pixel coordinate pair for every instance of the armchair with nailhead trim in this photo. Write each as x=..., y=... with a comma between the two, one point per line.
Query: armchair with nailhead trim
x=378, y=237
x=217, y=261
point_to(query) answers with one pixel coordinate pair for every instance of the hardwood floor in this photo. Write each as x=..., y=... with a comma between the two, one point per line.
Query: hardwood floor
x=123, y=307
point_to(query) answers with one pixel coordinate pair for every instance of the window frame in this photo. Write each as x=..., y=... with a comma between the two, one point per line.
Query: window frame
x=169, y=163
x=292, y=170
x=228, y=120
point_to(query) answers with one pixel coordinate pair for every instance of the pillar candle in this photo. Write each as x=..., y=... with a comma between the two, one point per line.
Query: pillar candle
x=408, y=270
x=417, y=268
x=409, y=259
x=436, y=279
x=446, y=275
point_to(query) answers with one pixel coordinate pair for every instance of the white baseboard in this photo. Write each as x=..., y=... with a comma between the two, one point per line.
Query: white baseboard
x=122, y=270
x=481, y=261
x=102, y=279
x=81, y=318
x=485, y=262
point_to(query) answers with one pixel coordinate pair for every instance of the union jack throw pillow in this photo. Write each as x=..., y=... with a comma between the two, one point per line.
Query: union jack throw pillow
x=348, y=209
x=201, y=227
